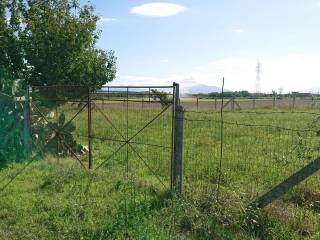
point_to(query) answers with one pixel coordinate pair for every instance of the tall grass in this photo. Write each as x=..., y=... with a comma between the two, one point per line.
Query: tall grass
x=127, y=198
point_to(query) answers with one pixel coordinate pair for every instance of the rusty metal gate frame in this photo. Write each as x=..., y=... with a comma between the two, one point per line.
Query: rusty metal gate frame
x=56, y=131
x=125, y=139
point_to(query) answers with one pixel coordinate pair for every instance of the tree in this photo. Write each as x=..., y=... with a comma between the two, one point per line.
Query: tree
x=161, y=96
x=45, y=43
x=11, y=52
x=59, y=39
x=53, y=42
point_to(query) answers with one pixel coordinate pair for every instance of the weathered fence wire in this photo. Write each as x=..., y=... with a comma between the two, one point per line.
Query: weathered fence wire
x=257, y=155
x=236, y=104
x=130, y=133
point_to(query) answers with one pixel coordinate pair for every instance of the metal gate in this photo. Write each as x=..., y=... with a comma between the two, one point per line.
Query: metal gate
x=131, y=134
x=127, y=132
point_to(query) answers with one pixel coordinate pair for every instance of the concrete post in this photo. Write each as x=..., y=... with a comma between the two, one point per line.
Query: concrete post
x=177, y=156
x=178, y=150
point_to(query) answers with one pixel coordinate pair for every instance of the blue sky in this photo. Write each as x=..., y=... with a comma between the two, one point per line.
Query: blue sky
x=199, y=42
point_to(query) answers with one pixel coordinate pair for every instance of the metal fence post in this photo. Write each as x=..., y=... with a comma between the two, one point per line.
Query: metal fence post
x=177, y=168
x=90, y=128
x=215, y=103
x=232, y=104
x=313, y=102
x=27, y=124
x=274, y=101
x=142, y=101
x=197, y=103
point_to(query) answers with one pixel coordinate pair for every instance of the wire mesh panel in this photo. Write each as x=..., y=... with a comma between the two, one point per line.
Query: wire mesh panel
x=248, y=152
x=124, y=134
x=132, y=145
x=136, y=122
x=58, y=118
x=236, y=104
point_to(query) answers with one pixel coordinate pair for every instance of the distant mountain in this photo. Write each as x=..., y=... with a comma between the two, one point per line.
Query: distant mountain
x=200, y=88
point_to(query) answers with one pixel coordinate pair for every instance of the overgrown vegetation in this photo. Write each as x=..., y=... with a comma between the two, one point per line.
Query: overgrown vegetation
x=57, y=199
x=45, y=43
x=162, y=97
x=12, y=132
x=53, y=42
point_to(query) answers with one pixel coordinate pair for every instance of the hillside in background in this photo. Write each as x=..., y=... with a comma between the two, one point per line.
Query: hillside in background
x=200, y=88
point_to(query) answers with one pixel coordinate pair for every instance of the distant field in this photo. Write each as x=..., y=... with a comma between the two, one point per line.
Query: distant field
x=246, y=104
x=124, y=199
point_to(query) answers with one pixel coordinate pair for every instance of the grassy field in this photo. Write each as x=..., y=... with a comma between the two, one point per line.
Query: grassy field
x=128, y=197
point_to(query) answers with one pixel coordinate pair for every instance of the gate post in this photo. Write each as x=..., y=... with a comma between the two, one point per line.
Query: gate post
x=177, y=168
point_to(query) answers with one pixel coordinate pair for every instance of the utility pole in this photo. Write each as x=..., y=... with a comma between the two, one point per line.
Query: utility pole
x=257, y=88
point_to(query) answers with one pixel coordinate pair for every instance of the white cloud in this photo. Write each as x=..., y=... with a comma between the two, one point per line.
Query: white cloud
x=239, y=30
x=105, y=19
x=296, y=72
x=158, y=9
x=164, y=60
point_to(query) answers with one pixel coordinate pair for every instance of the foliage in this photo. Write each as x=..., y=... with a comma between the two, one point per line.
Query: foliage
x=64, y=143
x=163, y=97
x=59, y=40
x=50, y=42
x=11, y=51
x=12, y=133
x=53, y=42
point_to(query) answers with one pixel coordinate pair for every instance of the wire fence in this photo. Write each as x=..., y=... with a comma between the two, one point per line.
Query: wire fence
x=260, y=149
x=236, y=104
x=126, y=136
x=123, y=134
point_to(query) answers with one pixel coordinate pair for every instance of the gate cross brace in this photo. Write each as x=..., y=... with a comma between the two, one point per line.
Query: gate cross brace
x=128, y=140
x=58, y=130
